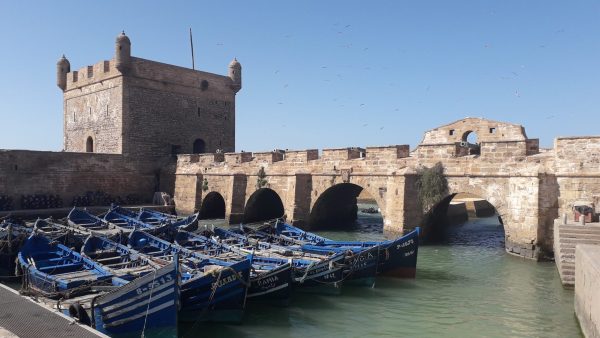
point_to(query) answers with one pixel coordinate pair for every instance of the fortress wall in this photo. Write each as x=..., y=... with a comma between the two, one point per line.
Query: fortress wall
x=577, y=171
x=94, y=110
x=24, y=172
x=166, y=106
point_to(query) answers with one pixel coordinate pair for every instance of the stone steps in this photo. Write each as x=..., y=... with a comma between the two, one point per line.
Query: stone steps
x=566, y=238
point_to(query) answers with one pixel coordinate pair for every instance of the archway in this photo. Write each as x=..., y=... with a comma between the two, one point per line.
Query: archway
x=463, y=218
x=343, y=206
x=471, y=143
x=199, y=146
x=213, y=206
x=89, y=145
x=264, y=204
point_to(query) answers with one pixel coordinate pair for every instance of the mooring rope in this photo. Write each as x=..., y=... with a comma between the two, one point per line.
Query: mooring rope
x=149, y=301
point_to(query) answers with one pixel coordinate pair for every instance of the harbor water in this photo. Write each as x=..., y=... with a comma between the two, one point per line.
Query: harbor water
x=466, y=287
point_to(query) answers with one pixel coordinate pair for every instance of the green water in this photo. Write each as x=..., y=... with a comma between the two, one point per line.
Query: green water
x=467, y=287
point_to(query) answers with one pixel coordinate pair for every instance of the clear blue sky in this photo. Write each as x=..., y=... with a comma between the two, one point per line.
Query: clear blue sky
x=319, y=74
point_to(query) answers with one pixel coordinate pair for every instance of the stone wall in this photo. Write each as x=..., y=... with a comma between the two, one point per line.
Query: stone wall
x=92, y=108
x=65, y=174
x=587, y=289
x=167, y=108
x=577, y=171
x=528, y=188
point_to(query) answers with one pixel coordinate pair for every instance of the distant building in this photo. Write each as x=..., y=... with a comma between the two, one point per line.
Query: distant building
x=143, y=108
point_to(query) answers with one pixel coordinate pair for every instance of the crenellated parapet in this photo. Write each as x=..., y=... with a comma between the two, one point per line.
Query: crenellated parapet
x=527, y=186
x=147, y=109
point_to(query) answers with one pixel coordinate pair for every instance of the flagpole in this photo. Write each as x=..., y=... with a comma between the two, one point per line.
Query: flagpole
x=192, y=46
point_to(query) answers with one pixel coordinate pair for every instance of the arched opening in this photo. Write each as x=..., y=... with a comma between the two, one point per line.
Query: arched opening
x=199, y=146
x=213, y=206
x=470, y=143
x=464, y=219
x=346, y=206
x=89, y=145
x=264, y=204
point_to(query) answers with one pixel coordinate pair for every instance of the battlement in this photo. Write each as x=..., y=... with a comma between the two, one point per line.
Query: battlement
x=95, y=73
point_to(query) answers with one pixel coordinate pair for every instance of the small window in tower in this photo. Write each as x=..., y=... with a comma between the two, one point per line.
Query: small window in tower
x=198, y=111
x=451, y=132
x=89, y=145
x=204, y=85
x=492, y=130
x=73, y=116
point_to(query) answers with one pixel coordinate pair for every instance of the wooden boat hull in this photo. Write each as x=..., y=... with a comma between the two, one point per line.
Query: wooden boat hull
x=397, y=258
x=324, y=277
x=273, y=285
x=146, y=305
x=218, y=297
x=56, y=271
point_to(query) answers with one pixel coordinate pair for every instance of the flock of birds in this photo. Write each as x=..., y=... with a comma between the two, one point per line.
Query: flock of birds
x=341, y=30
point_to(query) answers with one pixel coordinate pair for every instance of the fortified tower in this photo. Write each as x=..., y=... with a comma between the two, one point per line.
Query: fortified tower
x=147, y=109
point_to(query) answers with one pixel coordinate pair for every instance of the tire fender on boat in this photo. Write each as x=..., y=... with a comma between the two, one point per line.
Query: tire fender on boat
x=78, y=312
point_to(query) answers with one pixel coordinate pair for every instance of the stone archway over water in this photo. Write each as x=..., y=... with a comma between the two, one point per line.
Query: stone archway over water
x=454, y=211
x=213, y=206
x=337, y=207
x=264, y=204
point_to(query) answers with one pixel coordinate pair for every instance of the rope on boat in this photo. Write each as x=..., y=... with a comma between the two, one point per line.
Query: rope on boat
x=214, y=288
x=148, y=307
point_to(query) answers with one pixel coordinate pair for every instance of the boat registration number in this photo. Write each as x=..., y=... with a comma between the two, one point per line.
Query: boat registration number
x=154, y=284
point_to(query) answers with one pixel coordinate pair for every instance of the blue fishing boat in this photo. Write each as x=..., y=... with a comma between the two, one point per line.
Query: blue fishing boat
x=116, y=306
x=318, y=273
x=397, y=257
x=12, y=237
x=67, y=236
x=157, y=219
x=84, y=220
x=14, y=234
x=56, y=271
x=189, y=223
x=146, y=306
x=119, y=259
x=212, y=290
x=270, y=278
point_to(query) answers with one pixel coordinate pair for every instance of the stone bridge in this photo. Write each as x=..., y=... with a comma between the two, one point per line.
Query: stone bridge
x=528, y=186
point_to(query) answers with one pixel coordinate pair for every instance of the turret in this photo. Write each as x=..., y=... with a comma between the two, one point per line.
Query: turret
x=62, y=68
x=235, y=74
x=123, y=52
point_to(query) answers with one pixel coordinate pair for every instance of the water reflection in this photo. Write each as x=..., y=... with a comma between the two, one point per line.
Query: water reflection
x=466, y=286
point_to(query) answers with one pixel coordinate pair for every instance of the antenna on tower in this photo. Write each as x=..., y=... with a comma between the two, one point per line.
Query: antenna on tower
x=192, y=46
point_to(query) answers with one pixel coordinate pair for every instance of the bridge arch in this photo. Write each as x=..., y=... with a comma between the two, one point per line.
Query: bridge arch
x=263, y=204
x=443, y=216
x=213, y=206
x=337, y=205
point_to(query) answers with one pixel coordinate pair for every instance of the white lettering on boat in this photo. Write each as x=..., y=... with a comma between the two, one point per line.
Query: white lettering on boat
x=405, y=244
x=154, y=284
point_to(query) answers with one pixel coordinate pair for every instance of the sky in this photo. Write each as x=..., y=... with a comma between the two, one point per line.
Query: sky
x=324, y=74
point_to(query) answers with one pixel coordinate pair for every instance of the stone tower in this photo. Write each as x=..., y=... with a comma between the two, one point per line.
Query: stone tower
x=147, y=109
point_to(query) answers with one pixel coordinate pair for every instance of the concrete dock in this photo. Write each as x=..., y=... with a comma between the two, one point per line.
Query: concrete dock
x=566, y=238
x=22, y=317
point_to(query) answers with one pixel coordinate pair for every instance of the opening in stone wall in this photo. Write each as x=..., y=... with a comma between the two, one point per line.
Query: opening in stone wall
x=213, y=206
x=199, y=146
x=464, y=219
x=471, y=143
x=264, y=204
x=89, y=145
x=346, y=206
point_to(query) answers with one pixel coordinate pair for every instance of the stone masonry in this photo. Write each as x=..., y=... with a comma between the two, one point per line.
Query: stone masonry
x=528, y=187
x=126, y=118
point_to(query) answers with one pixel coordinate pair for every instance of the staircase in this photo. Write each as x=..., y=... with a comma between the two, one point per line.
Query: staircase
x=566, y=237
